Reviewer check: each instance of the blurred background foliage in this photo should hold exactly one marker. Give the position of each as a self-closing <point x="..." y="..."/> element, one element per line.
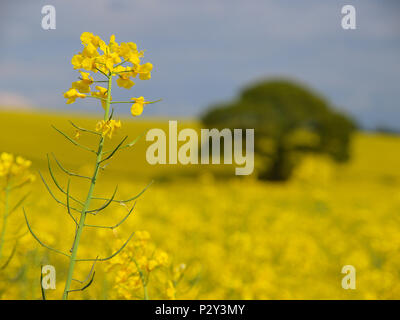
<point x="224" y="236"/>
<point x="289" y="120"/>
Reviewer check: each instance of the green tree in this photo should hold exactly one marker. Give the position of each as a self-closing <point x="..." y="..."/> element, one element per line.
<point x="289" y="120"/>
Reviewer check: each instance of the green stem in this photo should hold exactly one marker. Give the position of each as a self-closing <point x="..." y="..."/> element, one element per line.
<point x="85" y="208"/>
<point x="132" y="101"/>
<point x="108" y="97"/>
<point x="146" y="295"/>
<point x="142" y="279"/>
<point x="5" y="216"/>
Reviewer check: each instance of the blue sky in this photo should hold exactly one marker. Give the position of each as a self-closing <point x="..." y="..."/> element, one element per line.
<point x="205" y="51"/>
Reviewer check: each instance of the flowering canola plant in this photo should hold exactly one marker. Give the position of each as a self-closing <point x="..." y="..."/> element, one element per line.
<point x="134" y="266"/>
<point x="111" y="60"/>
<point x="14" y="174"/>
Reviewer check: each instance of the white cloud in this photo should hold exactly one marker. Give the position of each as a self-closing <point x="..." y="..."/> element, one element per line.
<point x="12" y="101"/>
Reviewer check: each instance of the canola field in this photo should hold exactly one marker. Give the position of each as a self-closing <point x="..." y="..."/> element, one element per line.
<point x="201" y="232"/>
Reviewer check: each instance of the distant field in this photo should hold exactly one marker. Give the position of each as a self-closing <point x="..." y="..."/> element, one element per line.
<point x="31" y="135"/>
<point x="238" y="238"/>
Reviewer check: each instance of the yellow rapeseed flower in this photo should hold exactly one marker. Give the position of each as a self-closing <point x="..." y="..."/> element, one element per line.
<point x="112" y="59"/>
<point x="130" y="53"/>
<point x="107" y="128"/>
<point x="171" y="291"/>
<point x="137" y="107"/>
<point x="72" y="94"/>
<point x="125" y="82"/>
<point x="144" y="71"/>
<point x="88" y="37"/>
<point x="83" y="85"/>
<point x="11" y="166"/>
<point x="102" y="94"/>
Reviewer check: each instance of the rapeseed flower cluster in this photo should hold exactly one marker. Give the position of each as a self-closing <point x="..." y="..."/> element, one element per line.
<point x="134" y="266"/>
<point x="15" y="167"/>
<point x="107" y="128"/>
<point x="14" y="175"/>
<point x="113" y="59"/>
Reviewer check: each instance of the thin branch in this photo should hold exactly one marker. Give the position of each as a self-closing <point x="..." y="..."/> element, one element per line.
<point x="57" y="184"/>
<point x="74" y="142"/>
<point x="85" y="286"/>
<point x="114" y="254"/>
<point x="98" y="98"/>
<point x="41" y="284"/>
<point x="73" y="243"/>
<point x="68" y="208"/>
<point x="54" y="197"/>
<point x="124" y="71"/>
<point x="83" y="129"/>
<point x="38" y="240"/>
<point x="130" y="199"/>
<point x="67" y="171"/>
<point x="116" y="225"/>
<point x="10" y="257"/>
<point x="89" y="274"/>
<point x="131" y="101"/>
<point x="106" y="204"/>
<point x="20" y="185"/>
<point x="115" y="102"/>
<point x="94" y="81"/>
<point x="121" y="63"/>
<point x="101" y="71"/>
<point x="114" y="151"/>
<point x="144" y="283"/>
<point x="111" y="114"/>
<point x="131" y="144"/>
<point x="21" y="201"/>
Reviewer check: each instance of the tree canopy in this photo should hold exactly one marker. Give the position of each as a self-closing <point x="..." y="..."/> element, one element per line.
<point x="289" y="120"/>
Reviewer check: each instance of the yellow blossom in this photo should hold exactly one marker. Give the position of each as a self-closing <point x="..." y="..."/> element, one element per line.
<point x="90" y="59"/>
<point x="107" y="60"/>
<point x="125" y="82"/>
<point x="152" y="265"/>
<point x="72" y="94"/>
<point x="83" y="85"/>
<point x="161" y="257"/>
<point x="86" y="78"/>
<point x="11" y="166"/>
<point x="144" y="71"/>
<point x="76" y="61"/>
<point x="88" y="37"/>
<point x="107" y="128"/>
<point x="124" y="74"/>
<point x="77" y="134"/>
<point x="137" y="107"/>
<point x="136" y="263"/>
<point x="130" y="53"/>
<point x="102" y="94"/>
<point x="171" y="291"/>
<point x="90" y="51"/>
<point x="113" y="45"/>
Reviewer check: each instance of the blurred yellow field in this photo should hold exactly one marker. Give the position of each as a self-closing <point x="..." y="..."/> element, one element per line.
<point x="230" y="238"/>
